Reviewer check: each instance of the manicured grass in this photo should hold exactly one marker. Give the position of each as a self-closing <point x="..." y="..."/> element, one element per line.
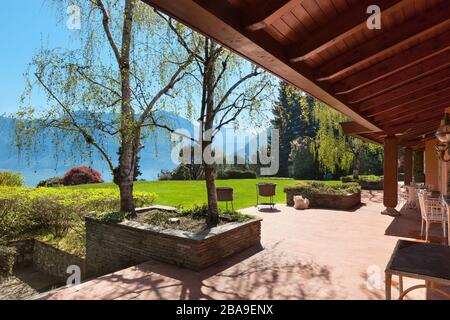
<point x="188" y="193"/>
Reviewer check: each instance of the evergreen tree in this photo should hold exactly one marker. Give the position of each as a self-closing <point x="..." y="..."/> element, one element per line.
<point x="293" y="118"/>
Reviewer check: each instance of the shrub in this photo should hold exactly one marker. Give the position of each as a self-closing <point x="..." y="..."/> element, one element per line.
<point x="11" y="179"/>
<point x="319" y="187"/>
<point x="236" y="174"/>
<point x="7" y="257"/>
<point x="363" y="178"/>
<point x="82" y="175"/>
<point x="52" y="182"/>
<point x="25" y="212"/>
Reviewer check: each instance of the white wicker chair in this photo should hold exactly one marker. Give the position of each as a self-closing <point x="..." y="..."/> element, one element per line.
<point x="432" y="211"/>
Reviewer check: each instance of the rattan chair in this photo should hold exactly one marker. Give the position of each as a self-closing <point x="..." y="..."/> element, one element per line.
<point x="225" y="194"/>
<point x="266" y="190"/>
<point x="432" y="210"/>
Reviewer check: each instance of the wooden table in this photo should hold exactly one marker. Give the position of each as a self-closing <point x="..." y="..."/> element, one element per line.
<point x="424" y="261"/>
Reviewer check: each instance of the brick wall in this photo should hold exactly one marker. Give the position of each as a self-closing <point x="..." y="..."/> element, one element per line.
<point x="111" y="247"/>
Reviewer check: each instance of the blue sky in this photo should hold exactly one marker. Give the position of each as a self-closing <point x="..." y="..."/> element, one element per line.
<point x="26" y="25"/>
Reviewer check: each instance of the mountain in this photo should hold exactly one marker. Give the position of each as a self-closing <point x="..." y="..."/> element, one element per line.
<point x="46" y="160"/>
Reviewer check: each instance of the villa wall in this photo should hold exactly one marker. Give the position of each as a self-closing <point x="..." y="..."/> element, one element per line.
<point x="431" y="164"/>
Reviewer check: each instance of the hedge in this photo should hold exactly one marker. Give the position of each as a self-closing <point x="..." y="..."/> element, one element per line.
<point x="236" y="174"/>
<point x="11" y="179"/>
<point x="25" y="212"/>
<point x="322" y="188"/>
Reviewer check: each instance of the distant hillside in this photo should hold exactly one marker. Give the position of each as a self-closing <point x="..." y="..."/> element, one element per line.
<point x="44" y="163"/>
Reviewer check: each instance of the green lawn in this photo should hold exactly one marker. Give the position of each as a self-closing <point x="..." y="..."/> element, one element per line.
<point x="189" y="193"/>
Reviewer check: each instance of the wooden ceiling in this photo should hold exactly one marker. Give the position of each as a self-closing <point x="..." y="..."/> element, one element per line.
<point x="395" y="80"/>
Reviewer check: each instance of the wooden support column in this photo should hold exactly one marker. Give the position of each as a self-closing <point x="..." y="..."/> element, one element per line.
<point x="390" y="196"/>
<point x="408" y="166"/>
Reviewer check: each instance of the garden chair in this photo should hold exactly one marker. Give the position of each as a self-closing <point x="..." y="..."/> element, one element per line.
<point x="225" y="194"/>
<point x="432" y="210"/>
<point x="411" y="197"/>
<point x="265" y="190"/>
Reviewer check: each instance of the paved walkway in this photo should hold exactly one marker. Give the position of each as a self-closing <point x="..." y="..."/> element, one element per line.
<point x="312" y="254"/>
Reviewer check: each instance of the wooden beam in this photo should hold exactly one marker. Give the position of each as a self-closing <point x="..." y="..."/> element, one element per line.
<point x="397" y="63"/>
<point x="338" y="29"/>
<point x="413" y="87"/>
<point x="351" y="127"/>
<point x="399" y="79"/>
<point x="418" y="27"/>
<point x="409" y="102"/>
<point x="262" y="16"/>
<point x="222" y="22"/>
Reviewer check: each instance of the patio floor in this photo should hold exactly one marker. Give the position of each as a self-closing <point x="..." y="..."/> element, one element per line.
<point x="312" y="254"/>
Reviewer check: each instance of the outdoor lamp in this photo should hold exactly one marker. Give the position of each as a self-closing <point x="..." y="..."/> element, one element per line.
<point x="443" y="135"/>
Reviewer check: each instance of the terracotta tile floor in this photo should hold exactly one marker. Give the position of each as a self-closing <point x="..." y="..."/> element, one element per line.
<point x="312" y="254"/>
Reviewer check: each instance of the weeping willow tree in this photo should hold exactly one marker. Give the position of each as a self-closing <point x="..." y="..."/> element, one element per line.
<point x="128" y="67"/>
<point x="335" y="150"/>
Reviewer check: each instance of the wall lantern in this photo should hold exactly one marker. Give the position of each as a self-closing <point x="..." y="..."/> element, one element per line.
<point x="443" y="135"/>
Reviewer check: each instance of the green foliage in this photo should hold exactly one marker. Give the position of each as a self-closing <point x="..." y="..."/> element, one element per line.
<point x="11" y="179"/>
<point x="337" y="151"/>
<point x="314" y="187"/>
<point x="236" y="174"/>
<point x="305" y="166"/>
<point x="52" y="182"/>
<point x="114" y="216"/>
<point x="418" y="166"/>
<point x="26" y="212"/>
<point x="365" y="178"/>
<point x="293" y="118"/>
<point x="7" y="256"/>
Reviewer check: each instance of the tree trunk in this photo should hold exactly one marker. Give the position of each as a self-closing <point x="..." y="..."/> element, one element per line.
<point x="208" y="118"/>
<point x="212" y="219"/>
<point x="127" y="125"/>
<point x="357" y="166"/>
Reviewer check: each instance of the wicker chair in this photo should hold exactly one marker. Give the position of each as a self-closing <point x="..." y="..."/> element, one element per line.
<point x="432" y="211"/>
<point x="265" y="190"/>
<point x="225" y="194"/>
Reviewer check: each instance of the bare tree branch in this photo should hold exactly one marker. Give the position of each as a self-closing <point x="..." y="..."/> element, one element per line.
<point x="106" y="25"/>
<point x="89" y="139"/>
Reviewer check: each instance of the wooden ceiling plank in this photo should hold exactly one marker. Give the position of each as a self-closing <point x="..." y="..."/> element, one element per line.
<point x="266" y="14"/>
<point x="413" y="73"/>
<point x="397" y="63"/>
<point x="420" y="26"/>
<point x="338" y="29"/>
<point x="403" y="128"/>
<point x="410" y="115"/>
<point x="408" y="93"/>
<point x="383" y="112"/>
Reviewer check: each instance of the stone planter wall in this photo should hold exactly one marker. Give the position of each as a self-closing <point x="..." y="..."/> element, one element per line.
<point x="372" y="185"/>
<point x="111" y="247"/>
<point x="326" y="201"/>
<point x="45" y="258"/>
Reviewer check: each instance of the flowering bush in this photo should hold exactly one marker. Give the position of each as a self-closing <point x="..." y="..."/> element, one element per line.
<point x="81" y="175"/>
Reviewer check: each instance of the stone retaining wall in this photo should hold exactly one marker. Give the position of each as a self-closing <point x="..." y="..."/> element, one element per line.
<point x="111" y="247"/>
<point x="45" y="258"/>
<point x="326" y="201"/>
